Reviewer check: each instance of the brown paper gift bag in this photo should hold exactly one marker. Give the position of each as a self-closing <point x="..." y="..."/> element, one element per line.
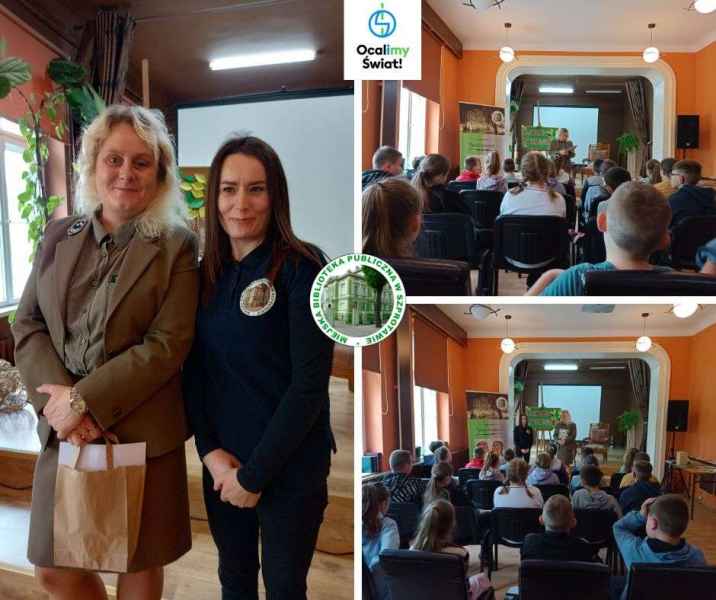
<point x="97" y="513"/>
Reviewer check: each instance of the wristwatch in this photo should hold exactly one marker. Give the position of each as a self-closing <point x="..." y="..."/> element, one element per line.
<point x="77" y="402"/>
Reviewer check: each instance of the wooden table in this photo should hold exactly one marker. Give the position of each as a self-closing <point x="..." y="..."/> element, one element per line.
<point x="696" y="471"/>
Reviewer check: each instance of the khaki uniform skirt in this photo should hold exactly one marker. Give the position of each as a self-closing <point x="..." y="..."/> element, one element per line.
<point x="165" y="531"/>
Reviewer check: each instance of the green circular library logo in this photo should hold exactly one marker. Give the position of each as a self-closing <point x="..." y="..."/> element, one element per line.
<point x="357" y="300"/>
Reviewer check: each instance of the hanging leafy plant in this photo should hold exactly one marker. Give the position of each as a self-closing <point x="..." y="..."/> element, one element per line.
<point x="628" y="420"/>
<point x="628" y="142"/>
<point x="35" y="203"/>
<point x="519" y="387"/>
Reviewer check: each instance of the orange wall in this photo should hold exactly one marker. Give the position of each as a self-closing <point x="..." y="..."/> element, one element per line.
<point x="705" y="106"/>
<point x="472" y="79"/>
<point x="23" y="45"/>
<point x="700" y="440"/>
<point x="371" y="98"/>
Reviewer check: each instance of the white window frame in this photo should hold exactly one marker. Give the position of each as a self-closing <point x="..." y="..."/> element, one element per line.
<point x="422" y="432"/>
<point x="7" y="137"/>
<point x="413" y="114"/>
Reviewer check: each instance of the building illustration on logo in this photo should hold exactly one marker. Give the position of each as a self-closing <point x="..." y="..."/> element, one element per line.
<point x="382" y="23"/>
<point x="349" y="300"/>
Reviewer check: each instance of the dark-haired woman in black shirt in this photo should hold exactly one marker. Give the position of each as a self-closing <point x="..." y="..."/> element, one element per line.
<point x="256" y="381"/>
<point x="524" y="438"/>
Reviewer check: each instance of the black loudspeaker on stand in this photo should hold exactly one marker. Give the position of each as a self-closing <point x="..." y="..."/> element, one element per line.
<point x="687" y="132"/>
<point x="677" y="420"/>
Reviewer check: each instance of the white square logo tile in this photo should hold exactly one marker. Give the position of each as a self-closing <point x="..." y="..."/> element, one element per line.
<point x="382" y="39"/>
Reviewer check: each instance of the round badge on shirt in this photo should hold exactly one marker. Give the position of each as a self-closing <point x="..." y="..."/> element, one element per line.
<point x="258" y="298"/>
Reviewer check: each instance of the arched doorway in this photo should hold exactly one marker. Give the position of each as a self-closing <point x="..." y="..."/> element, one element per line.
<point x="659" y="365"/>
<point x="660" y="74"/>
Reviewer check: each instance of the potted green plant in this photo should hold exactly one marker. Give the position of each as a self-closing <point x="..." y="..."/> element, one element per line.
<point x="627" y="145"/>
<point x="626" y="423"/>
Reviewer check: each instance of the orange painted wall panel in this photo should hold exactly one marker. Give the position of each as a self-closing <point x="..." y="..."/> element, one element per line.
<point x="22" y="44"/>
<point x="705" y="106"/>
<point x="371" y="102"/>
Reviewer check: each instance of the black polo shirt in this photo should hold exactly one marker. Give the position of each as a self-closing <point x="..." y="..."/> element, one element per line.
<point x="256" y="385"/>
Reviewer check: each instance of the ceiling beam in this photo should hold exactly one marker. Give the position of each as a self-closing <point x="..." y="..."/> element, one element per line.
<point x="434" y="23"/>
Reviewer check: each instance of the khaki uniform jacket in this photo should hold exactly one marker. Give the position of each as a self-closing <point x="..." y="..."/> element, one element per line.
<point x="136" y="392"/>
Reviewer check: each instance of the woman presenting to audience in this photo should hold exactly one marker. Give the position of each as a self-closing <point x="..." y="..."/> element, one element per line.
<point x="565" y="434"/>
<point x="524" y="438"/>
<point x="256" y="381"/>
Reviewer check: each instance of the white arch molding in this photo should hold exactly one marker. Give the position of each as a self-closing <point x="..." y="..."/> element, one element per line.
<point x="660" y="74"/>
<point x="659" y="365"/>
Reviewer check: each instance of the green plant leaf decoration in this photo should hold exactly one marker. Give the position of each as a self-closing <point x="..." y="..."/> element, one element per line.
<point x="628" y="420"/>
<point x="5" y="87"/>
<point x="628" y="142"/>
<point x="15" y="70"/>
<point x="66" y="73"/>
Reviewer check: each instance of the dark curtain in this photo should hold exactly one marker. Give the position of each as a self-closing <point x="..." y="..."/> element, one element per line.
<point x="636" y="94"/>
<point x="639" y="376"/>
<point x="520" y="374"/>
<point x="104" y="52"/>
<point x="516" y="91"/>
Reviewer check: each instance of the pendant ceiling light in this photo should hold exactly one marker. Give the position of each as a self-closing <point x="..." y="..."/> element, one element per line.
<point x="651" y="54"/>
<point x="507" y="344"/>
<point x="705" y="6"/>
<point x="507" y="53"/>
<point x="643" y="343"/>
<point x="684" y="310"/>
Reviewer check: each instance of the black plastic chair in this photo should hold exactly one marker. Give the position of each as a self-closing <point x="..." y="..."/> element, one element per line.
<point x="527" y="244"/>
<point x="406" y="516"/>
<point x="481" y="493"/>
<point x="465" y="526"/>
<point x="614" y="483"/>
<point x="509" y="528"/>
<point x="448" y="236"/>
<point x="465" y="474"/>
<point x="548" y="491"/>
<point x="433" y="277"/>
<point x="595" y="528"/>
<point x="421" y="470"/>
<point x="458" y="186"/>
<point x="415" y="575"/>
<point x="647" y="283"/>
<point x="687" y="236"/>
<point x="652" y="582"/>
<point x="369" y="592"/>
<point x="484" y="207"/>
<point x="571" y="205"/>
<point x="563" y="580"/>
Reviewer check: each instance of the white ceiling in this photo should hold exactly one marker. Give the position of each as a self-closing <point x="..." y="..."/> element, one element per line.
<point x="579" y="25"/>
<point x="568" y="320"/>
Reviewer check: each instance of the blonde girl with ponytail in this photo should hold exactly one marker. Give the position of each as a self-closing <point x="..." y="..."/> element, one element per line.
<point x="534" y="196"/>
<point x="391" y="218"/>
<point x="430" y="180"/>
<point x="491" y="179"/>
<point x="435" y="534"/>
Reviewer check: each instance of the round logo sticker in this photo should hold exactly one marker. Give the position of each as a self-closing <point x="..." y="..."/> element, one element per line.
<point x="258" y="298"/>
<point x="357" y="299"/>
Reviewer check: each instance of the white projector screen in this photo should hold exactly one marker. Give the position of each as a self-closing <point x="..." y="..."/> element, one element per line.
<point x="313" y="137"/>
<point x="582" y="401"/>
<point x="582" y="123"/>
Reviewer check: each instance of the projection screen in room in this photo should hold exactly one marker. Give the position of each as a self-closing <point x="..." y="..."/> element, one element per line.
<point x="582" y="401"/>
<point x="313" y="136"/>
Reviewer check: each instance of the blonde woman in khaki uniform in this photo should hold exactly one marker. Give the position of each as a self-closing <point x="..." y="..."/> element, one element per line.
<point x="103" y="326"/>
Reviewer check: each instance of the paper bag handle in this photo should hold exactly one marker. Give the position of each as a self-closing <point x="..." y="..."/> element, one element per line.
<point x="109" y="440"/>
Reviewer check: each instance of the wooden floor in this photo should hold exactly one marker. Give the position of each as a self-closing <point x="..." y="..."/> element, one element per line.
<point x="509" y="284"/>
<point x="193" y="577"/>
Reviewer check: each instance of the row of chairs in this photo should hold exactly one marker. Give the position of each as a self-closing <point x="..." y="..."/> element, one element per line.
<point x="413" y="575"/>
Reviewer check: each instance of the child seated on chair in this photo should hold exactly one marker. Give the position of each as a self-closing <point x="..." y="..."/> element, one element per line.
<point x="435" y="534"/>
<point x="591" y="497"/>
<point x="379" y="533"/>
<point x="491" y="469"/>
<point x="631" y="478"/>
<point x="509" y="455"/>
<point x="635" y="224"/>
<point x="478" y="459"/>
<point x="633" y="496"/>
<point x="541" y="474"/>
<point x="556" y="543"/>
<point x="665" y="519"/>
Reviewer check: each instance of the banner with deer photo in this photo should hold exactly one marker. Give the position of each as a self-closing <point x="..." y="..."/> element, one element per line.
<point x="488" y="420"/>
<point x="482" y="129"/>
